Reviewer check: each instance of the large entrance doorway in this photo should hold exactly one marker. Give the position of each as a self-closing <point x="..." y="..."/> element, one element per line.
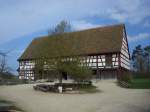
<point x="106" y="74"/>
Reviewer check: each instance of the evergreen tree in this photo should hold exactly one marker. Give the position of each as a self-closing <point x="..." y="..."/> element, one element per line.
<point x="140" y="59"/>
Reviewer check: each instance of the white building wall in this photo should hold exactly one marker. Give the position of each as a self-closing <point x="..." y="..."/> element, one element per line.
<point x="124" y="57"/>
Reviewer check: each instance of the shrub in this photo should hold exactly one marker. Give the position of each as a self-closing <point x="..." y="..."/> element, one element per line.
<point x="81" y="74"/>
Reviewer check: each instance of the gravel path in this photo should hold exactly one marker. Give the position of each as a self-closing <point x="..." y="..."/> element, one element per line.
<point x="111" y="99"/>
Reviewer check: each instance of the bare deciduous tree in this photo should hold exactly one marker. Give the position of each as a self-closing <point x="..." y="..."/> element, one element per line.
<point x="3" y="62"/>
<point x="60" y="28"/>
<point x="59" y="64"/>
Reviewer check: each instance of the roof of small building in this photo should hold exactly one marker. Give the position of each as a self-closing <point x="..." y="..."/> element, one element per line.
<point x="107" y="39"/>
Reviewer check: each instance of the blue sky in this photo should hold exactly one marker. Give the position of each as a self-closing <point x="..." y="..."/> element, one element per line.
<point x="23" y="20"/>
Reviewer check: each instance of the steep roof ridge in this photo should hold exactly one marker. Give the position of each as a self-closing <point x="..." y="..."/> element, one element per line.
<point x="84" y="30"/>
<point x="111" y="34"/>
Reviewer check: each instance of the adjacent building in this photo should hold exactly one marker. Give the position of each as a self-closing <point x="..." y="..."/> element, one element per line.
<point x="105" y="50"/>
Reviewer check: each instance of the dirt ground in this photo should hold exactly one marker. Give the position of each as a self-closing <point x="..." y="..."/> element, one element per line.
<point x="111" y="98"/>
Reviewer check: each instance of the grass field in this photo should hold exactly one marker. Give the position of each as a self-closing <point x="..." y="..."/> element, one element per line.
<point x="88" y="89"/>
<point x="140" y="83"/>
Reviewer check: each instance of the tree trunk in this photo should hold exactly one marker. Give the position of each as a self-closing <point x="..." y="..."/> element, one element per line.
<point x="60" y="78"/>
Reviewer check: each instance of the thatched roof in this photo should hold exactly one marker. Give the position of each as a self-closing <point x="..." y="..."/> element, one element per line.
<point x="106" y="39"/>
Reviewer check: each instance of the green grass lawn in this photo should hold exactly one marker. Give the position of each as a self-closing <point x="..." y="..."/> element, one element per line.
<point x="88" y="89"/>
<point x="140" y="83"/>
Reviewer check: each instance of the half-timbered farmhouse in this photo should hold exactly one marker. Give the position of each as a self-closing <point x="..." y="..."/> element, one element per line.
<point x="105" y="50"/>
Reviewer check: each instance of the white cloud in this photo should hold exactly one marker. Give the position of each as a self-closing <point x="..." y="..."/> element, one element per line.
<point x="18" y="18"/>
<point x="131" y="11"/>
<point x="81" y="25"/>
<point x="139" y="37"/>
